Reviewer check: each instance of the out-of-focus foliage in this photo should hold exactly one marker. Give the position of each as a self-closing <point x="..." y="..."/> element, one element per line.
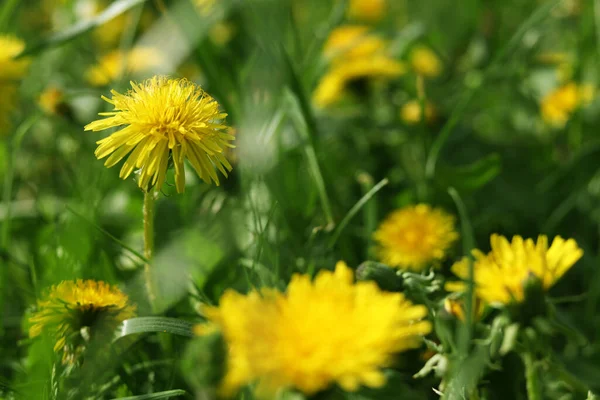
<point x="484" y="109"/>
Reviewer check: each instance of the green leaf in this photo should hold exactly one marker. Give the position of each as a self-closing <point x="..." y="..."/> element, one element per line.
<point x="471" y="176"/>
<point x="114" y="10"/>
<point x="155" y="324"/>
<point x="160" y="395"/>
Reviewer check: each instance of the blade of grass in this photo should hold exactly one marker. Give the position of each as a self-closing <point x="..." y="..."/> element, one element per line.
<point x="11" y="154"/>
<point x="80" y="28"/>
<point x="468" y="243"/>
<point x="174" y="326"/>
<point x="355" y="209"/>
<point x="461" y="107"/>
<point x="299" y="121"/>
<point x="104" y="231"/>
<point x="6" y="11"/>
<point x="154" y="396"/>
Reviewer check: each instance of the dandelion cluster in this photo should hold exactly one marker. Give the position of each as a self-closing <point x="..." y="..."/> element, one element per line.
<point x="315" y="334"/>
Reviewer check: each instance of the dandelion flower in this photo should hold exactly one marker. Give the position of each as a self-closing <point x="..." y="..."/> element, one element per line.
<point x="72" y="305"/>
<point x="164" y="119"/>
<point x="500" y="275"/>
<point x="558" y="105"/>
<point x="367" y="10"/>
<point x="352" y="41"/>
<point x="411" y="112"/>
<point x="413" y="236"/>
<point x="332" y="86"/>
<point x="12" y="69"/>
<point x="425" y="62"/>
<point x="354" y="54"/>
<point x="114" y="64"/>
<point x="322" y="332"/>
<point x="52" y="101"/>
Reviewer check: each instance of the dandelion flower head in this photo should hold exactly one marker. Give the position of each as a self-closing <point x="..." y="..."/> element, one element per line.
<point x="322" y="332"/>
<point x="425" y="62"/>
<point x="352" y="41"/>
<point x="10" y="68"/>
<point x="558" y="105"/>
<point x="500" y="275"/>
<point x="414" y="236"/>
<point x="164" y="119"/>
<point x="411" y="112"/>
<point x="72" y="305"/>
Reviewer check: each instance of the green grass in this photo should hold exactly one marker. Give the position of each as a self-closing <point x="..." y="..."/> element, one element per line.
<point x="309" y="187"/>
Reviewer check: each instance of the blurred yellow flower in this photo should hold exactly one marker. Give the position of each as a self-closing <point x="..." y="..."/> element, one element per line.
<point x="425" y="62"/>
<point x="457" y="307"/>
<point x="112" y="65"/>
<point x="72" y="305"/>
<point x="316" y="334"/>
<point x="367" y="10"/>
<point x="415" y="236"/>
<point x="354" y="53"/>
<point x="51" y="101"/>
<point x="410" y="112"/>
<point x="166" y="119"/>
<point x="10" y="68"/>
<point x="500" y="275"/>
<point x="352" y="41"/>
<point x="558" y="105"/>
<point x="222" y="33"/>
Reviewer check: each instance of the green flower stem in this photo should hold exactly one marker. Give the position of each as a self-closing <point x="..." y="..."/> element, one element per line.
<point x="149" y="200"/>
<point x="534" y="390"/>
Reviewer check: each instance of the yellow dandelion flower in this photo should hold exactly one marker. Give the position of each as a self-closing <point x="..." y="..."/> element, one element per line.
<point x="322" y="332"/>
<point x="558" y="105"/>
<point x="500" y="275"/>
<point x="72" y="305"/>
<point x="367" y="10"/>
<point x="411" y="112"/>
<point x="10" y="68"/>
<point x="425" y="62"/>
<point x="51" y="101"/>
<point x="331" y="87"/>
<point x="352" y="41"/>
<point x="165" y="119"/>
<point x="114" y="64"/>
<point x="413" y="236"/>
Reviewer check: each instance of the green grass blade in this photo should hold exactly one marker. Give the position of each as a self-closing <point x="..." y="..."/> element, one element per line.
<point x="153" y="396"/>
<point x="174" y="326"/>
<point x="468" y="243"/>
<point x="114" y="10"/>
<point x="458" y="112"/>
<point x="355" y="209"/>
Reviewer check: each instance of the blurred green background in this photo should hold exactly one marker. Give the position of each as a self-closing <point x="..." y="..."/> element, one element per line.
<point x="299" y="169"/>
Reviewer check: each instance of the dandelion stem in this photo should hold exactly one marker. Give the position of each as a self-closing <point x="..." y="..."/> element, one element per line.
<point x="534" y="391"/>
<point x="149" y="199"/>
